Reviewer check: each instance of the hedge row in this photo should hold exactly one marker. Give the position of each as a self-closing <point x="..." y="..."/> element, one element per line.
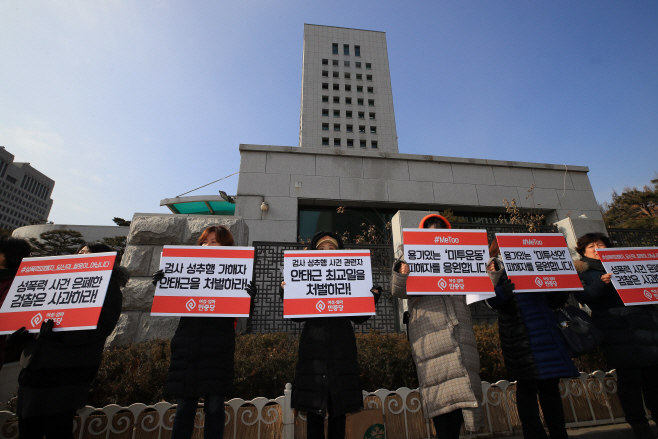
<point x="264" y="363"/>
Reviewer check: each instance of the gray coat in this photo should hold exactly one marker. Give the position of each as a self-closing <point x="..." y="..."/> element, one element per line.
<point x="444" y="350"/>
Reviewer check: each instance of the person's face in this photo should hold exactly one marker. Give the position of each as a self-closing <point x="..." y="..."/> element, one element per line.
<point x="590" y="250"/>
<point x="84" y="251"/>
<point x="327" y="246"/>
<point x="211" y="240"/>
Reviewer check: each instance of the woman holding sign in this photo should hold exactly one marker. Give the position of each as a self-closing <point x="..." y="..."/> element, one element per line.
<point x="444" y="350"/>
<point x="327" y="373"/>
<point x="202" y="358"/>
<point x="631" y="335"/>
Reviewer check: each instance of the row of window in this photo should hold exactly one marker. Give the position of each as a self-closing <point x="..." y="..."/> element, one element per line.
<point x="22" y="198"/>
<point x="348" y="114"/>
<point x="347" y="75"/>
<point x="334" y="62"/>
<point x="349" y="142"/>
<point x="348" y="87"/>
<point x="346" y="49"/>
<point x="349" y="128"/>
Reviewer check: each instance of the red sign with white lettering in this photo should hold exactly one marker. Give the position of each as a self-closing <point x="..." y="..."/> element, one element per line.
<point x="634" y="273"/>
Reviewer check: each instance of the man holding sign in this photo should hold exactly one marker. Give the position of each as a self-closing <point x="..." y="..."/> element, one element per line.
<point x="328" y="289"/>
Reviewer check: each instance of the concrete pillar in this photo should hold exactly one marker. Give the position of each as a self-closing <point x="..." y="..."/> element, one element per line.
<point x="574" y="228"/>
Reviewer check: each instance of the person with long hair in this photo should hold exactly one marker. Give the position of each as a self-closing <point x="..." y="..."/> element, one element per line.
<point x="202" y="359"/>
<point x="630" y="342"/>
<point x="58" y="367"/>
<point x="535" y="354"/>
<point x="327" y="373"/>
<point x="445" y="352"/>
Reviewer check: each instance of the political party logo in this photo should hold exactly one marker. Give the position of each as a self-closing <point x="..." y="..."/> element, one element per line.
<point x="647" y="294"/>
<point x="375" y="431"/>
<point x="36" y="320"/>
<point x="320" y="305"/>
<point x="538" y="282"/>
<point x="442" y="284"/>
<point x="190" y="305"/>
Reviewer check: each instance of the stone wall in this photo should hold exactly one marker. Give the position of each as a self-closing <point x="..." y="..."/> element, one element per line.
<point x="149" y="232"/>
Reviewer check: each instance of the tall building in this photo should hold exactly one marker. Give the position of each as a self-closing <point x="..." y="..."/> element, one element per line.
<point x="347" y="101"/>
<point x="24" y="193"/>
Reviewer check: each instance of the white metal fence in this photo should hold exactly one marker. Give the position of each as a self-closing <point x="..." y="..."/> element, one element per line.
<point x="588" y="400"/>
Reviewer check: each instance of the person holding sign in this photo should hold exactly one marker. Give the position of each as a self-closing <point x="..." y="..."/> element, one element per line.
<point x="445" y="352"/>
<point x="535" y="354"/>
<point x="202" y="359"/>
<point x="327" y="373"/>
<point x="631" y="335"/>
<point x="58" y="367"/>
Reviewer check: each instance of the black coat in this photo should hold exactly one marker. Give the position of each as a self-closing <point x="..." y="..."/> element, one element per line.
<point x="631" y="332"/>
<point x="202" y="358"/>
<point x="328" y="366"/>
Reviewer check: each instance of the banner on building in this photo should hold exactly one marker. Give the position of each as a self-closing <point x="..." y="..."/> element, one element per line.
<point x="447" y="262"/>
<point x="538" y="262"/>
<point x="204" y="281"/>
<point x="634" y="273"/>
<point x="327" y="283"/>
<point x="70" y="290"/>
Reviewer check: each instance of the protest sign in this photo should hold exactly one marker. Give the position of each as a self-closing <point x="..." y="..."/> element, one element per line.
<point x="327" y="283"/>
<point x="70" y="290"/>
<point x="538" y="262"/>
<point x="634" y="273"/>
<point x="204" y="281"/>
<point x="447" y="262"/>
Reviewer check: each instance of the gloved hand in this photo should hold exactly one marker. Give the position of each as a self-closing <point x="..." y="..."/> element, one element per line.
<point x="46" y="330"/>
<point x="506" y="288"/>
<point x="19" y="337"/>
<point x="376" y="292"/>
<point x="251" y="289"/>
<point x="157" y="277"/>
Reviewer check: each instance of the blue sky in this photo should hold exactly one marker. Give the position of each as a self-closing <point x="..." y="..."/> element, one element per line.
<point x="124" y="103"/>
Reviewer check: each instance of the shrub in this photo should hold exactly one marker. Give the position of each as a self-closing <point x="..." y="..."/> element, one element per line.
<point x="492" y="365"/>
<point x="385" y="361"/>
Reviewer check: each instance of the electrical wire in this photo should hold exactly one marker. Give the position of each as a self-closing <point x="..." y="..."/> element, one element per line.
<point x="208" y="184"/>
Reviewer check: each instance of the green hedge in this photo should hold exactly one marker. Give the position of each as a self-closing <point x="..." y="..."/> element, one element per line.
<point x="264" y="363"/>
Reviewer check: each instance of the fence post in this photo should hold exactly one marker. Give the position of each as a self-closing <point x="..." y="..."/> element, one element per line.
<point x="288" y="414"/>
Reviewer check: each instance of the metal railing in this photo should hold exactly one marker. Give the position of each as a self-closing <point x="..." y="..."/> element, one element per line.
<point x="633" y="237"/>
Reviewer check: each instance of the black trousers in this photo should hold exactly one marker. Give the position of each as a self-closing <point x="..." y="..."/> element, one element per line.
<point x="315" y="424"/>
<point x="548" y="391"/>
<point x="448" y="425"/>
<point x="55" y="426"/>
<point x="634" y="383"/>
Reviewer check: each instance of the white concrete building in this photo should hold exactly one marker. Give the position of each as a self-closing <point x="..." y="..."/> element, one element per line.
<point x="347" y="100"/>
<point x="24" y="193"/>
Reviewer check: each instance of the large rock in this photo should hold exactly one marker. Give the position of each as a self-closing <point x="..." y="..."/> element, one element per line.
<point x="137" y="259"/>
<point x="125" y="329"/>
<point x="155" y="327"/>
<point x="152" y="228"/>
<point x="195" y="225"/>
<point x="138" y="294"/>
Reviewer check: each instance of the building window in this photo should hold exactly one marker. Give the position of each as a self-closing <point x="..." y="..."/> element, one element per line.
<point x="350" y="143"/>
<point x="336" y="142"/>
<point x="336" y="127"/>
<point x="371" y="102"/>
<point x="359" y="76"/>
<point x="325" y="62"/>
<point x="368" y="77"/>
<point x="335" y="74"/>
<point x="371" y="89"/>
<point x="359" y="88"/>
<point x="372" y="115"/>
<point x="325" y="98"/>
<point x="325" y="73"/>
<point x="362" y="143"/>
<point x="373" y="130"/>
<point x="325" y="86"/>
<point x="348" y="87"/>
<point x="359" y="101"/>
<point x="334" y="48"/>
<point x="368" y="66"/>
<point x="336" y="113"/>
<point x="357" y="50"/>
<point x="336" y="100"/>
<point x="362" y="128"/>
<point x="336" y="87"/>
<point x="334" y="62"/>
<point x="358" y="64"/>
<point x="11" y="179"/>
<point x="348" y="101"/>
<point x="325" y="127"/>
<point x="373" y="143"/>
<point x="362" y="115"/>
<point x="348" y="114"/>
<point x="325" y="112"/>
<point x="346" y="63"/>
<point x="346" y="49"/>
<point x="347" y="75"/>
<point x="350" y="129"/>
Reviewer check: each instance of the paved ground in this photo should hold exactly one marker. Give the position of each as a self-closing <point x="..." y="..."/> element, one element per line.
<point x="612" y="431"/>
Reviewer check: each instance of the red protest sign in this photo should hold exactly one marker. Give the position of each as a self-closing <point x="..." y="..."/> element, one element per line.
<point x="634" y="273"/>
<point x="69" y="289"/>
<point x="538" y="262"/>
<point x="204" y="281"/>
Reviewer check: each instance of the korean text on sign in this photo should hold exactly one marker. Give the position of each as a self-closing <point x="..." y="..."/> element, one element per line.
<point x="204" y="281"/>
<point x="70" y="290"/>
<point x="538" y="262"/>
<point x="322" y="283"/>
<point x="447" y="262"/>
<point x="634" y="273"/>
